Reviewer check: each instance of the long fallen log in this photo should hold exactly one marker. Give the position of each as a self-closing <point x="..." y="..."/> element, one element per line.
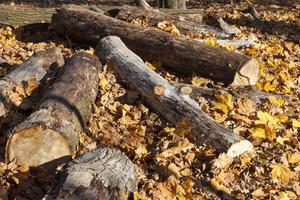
<point x="52" y="131"/>
<point x="177" y="53"/>
<point x="13" y="86"/>
<point x="184" y="24"/>
<point x="166" y="100"/>
<point x="237" y="92"/>
<point x="105" y="174"/>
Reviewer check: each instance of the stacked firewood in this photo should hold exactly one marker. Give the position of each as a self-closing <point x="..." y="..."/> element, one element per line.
<point x="50" y="135"/>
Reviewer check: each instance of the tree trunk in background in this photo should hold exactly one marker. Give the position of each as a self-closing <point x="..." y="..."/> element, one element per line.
<point x="175" y="4"/>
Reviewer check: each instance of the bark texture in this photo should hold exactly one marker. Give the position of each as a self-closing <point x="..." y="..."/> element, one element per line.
<point x="20" y="16"/>
<point x="166" y="100"/>
<point x="250" y="92"/>
<point x="184" y="24"/>
<point x="177" y="53"/>
<point x="105" y="174"/>
<point x="31" y="72"/>
<point x="52" y="131"/>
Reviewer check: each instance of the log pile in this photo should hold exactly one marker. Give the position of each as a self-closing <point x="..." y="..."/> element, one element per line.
<point x="49" y="136"/>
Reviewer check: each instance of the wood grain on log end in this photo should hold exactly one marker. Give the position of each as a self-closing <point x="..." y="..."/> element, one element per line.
<point x="247" y="74"/>
<point x="239" y="148"/>
<point x="25" y="146"/>
<point x="51" y="133"/>
<point x="103" y="174"/>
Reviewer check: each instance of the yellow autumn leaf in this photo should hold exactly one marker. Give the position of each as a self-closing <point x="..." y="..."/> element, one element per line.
<point x="293" y="157"/>
<point x="90" y="51"/>
<point x="268" y="87"/>
<point x="265" y="118"/>
<point x="211" y="42"/>
<point x="219" y="106"/>
<point x="153" y="65"/>
<point x="199" y="81"/>
<point x="181" y="198"/>
<point x="271" y="63"/>
<point x="281" y="140"/>
<point x="258" y="133"/>
<point x="296" y="123"/>
<point x="281" y="172"/>
<point x="276" y="101"/>
<point x="141" y="150"/>
<point x="103" y="83"/>
<point x="288" y="195"/>
<point x="224" y="102"/>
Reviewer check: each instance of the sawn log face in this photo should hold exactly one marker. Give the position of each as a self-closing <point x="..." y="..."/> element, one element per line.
<point x="52" y="131"/>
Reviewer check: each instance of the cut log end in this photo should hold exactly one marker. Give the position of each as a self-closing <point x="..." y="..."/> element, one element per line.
<point x="247" y="74"/>
<point x="239" y="148"/>
<point x="25" y="146"/>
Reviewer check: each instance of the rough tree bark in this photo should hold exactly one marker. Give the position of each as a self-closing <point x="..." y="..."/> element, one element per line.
<point x="177" y="53"/>
<point x="105" y="174"/>
<point x="29" y="74"/>
<point x="166" y="100"/>
<point x="250" y="92"/>
<point x="52" y="131"/>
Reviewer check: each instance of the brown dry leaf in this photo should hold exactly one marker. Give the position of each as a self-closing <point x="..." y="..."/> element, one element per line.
<point x="183" y="127"/>
<point x="281" y="172"/>
<point x="30" y="85"/>
<point x="223" y="161"/>
<point x="246" y="106"/>
<point x="141" y="150"/>
<point x="288" y="195"/>
<point x="168" y="26"/>
<point x="218" y="183"/>
<point x="174" y="170"/>
<point x="159" y="90"/>
<point x="182" y="145"/>
<point x="258" y="192"/>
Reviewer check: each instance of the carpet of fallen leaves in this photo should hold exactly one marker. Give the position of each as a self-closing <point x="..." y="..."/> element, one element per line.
<point x="169" y="165"/>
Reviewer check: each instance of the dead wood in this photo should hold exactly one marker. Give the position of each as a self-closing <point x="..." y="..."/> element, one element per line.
<point x="19" y="84"/>
<point x="166" y="100"/>
<point x="250" y="92"/>
<point x="105" y="174"/>
<point x="52" y="131"/>
<point x="177" y="53"/>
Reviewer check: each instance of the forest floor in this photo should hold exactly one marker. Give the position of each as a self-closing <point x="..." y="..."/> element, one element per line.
<point x="169" y="165"/>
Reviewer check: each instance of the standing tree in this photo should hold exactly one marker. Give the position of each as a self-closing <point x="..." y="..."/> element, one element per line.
<point x="175" y="4"/>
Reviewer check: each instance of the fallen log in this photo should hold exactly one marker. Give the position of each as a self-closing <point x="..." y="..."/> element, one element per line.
<point x="100" y="174"/>
<point x="166" y="100"/>
<point x="52" y="131"/>
<point x="185" y="24"/>
<point x="29" y="74"/>
<point x="177" y="53"/>
<point x="250" y="92"/>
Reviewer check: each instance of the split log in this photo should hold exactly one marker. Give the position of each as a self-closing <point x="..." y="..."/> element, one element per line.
<point x="166" y="100"/>
<point x="250" y="92"/>
<point x="105" y="174"/>
<point x="29" y="74"/>
<point x="52" y="131"/>
<point x="177" y="53"/>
